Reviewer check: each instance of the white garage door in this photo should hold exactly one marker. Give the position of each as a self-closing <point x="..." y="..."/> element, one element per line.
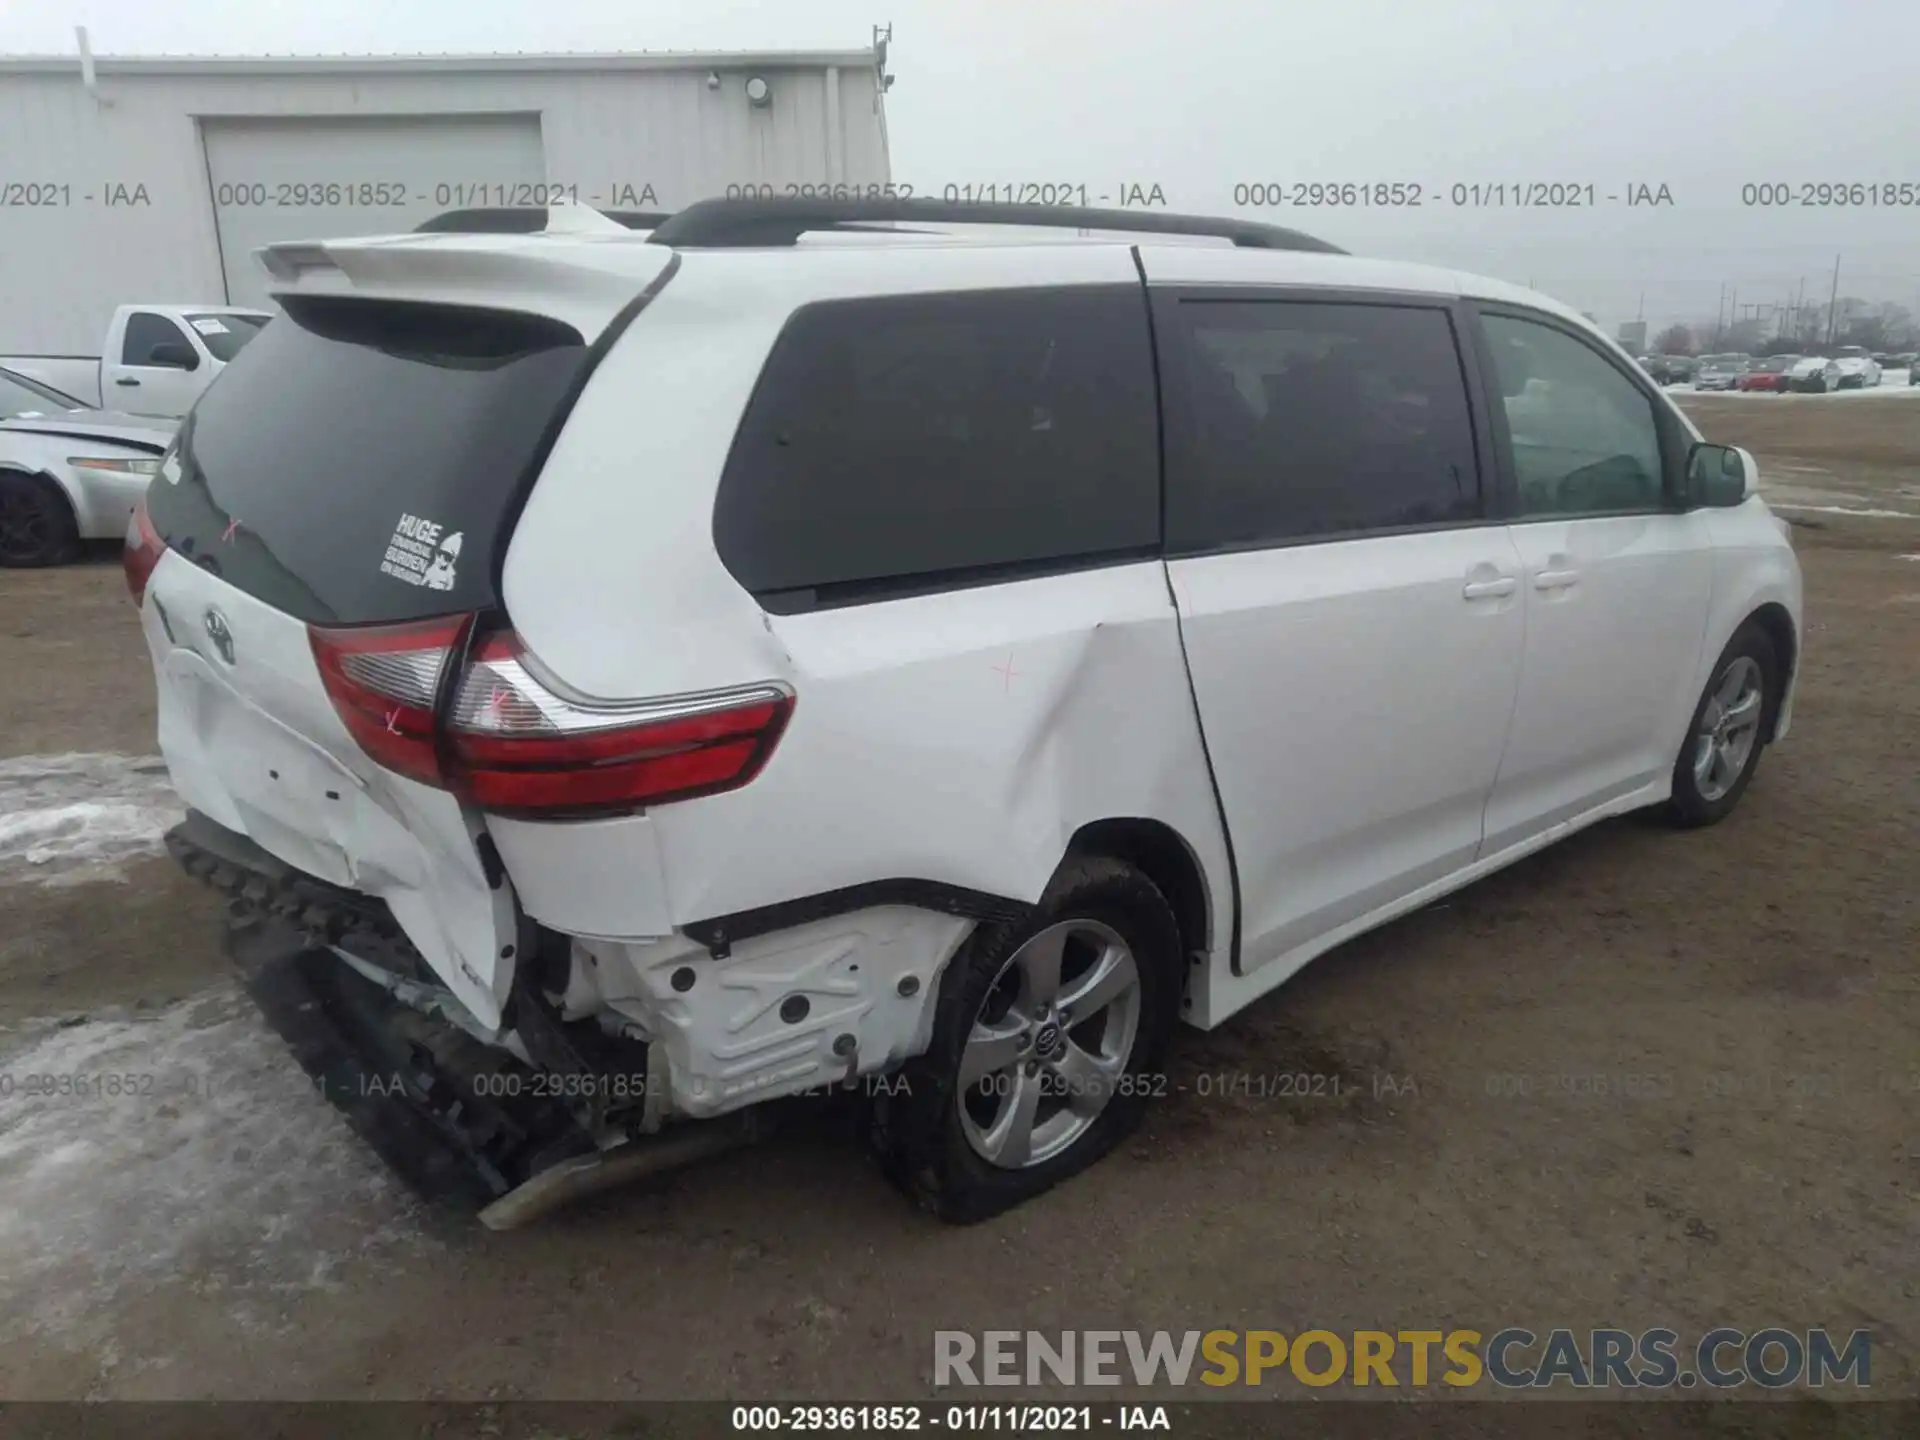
<point x="312" y="178"/>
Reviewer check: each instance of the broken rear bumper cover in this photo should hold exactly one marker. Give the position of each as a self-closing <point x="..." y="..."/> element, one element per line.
<point x="834" y="992"/>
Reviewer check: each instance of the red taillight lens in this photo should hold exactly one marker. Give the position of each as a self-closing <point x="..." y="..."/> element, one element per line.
<point x="522" y="747"/>
<point x="141" y="553"/>
<point x="382" y="680"/>
<point x="517" y="745"/>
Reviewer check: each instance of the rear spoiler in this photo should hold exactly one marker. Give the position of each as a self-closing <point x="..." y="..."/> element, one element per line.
<point x="583" y="285"/>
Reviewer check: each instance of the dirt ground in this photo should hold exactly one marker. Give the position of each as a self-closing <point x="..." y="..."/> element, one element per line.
<point x="1645" y="1078"/>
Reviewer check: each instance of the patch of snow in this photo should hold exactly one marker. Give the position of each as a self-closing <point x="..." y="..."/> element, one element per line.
<point x="1843" y="510"/>
<point x="1893" y="384"/>
<point x="1882" y="391"/>
<point x="183" y="1149"/>
<point x="65" y="819"/>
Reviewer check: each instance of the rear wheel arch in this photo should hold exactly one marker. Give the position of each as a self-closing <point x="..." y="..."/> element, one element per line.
<point x="48" y="480"/>
<point x="1162" y="854"/>
<point x="928" y="1132"/>
<point x="10" y="471"/>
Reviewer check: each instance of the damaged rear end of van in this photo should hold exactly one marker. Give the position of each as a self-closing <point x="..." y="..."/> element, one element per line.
<point x="349" y="715"/>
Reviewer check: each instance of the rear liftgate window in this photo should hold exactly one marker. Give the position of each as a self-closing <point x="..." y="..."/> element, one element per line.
<point x="359" y="460"/>
<point x="914" y="443"/>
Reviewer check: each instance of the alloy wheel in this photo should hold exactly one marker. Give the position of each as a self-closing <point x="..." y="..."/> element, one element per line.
<point x="1729" y="728"/>
<point x="1050" y="1044"/>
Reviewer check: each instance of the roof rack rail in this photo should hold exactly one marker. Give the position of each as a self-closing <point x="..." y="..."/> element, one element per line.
<point x="523" y="220"/>
<point x="730" y="223"/>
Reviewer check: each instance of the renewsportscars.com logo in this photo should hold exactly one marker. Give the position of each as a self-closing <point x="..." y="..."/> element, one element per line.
<point x="1512" y="1359"/>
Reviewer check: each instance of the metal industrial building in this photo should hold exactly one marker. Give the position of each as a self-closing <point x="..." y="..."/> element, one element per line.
<point x="153" y="179"/>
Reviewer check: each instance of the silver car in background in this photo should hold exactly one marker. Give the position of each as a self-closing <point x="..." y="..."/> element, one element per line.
<point x="68" y="472"/>
<point x="1721" y="372"/>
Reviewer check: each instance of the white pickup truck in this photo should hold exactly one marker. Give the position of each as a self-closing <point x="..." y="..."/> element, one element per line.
<point x="156" y="361"/>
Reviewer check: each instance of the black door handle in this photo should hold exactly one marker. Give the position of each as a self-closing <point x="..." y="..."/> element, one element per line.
<point x="126" y="380"/>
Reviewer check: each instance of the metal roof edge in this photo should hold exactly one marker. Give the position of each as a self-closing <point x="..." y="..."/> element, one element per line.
<point x="453" y="63"/>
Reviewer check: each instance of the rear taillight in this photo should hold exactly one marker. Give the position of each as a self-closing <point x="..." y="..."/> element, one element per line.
<point x="383" y="680"/>
<point x="141" y="553"/>
<point x="521" y="746"/>
<point x="517" y="744"/>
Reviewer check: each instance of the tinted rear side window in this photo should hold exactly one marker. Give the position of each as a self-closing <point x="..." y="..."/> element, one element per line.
<point x="899" y="444"/>
<point x="358" y="460"/>
<point x="1295" y="421"/>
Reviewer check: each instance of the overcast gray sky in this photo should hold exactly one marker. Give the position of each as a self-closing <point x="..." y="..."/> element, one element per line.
<point x="1702" y="96"/>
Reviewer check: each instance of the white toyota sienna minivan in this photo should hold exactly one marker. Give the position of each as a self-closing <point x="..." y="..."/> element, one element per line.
<point x="632" y="671"/>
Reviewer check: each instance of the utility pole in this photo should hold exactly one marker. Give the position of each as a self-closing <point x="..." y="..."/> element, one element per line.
<point x="1833" y="299"/>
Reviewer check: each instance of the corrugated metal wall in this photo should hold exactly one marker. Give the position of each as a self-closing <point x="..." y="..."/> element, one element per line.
<point x="109" y="201"/>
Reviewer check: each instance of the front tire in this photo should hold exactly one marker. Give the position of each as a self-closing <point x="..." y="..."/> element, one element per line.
<point x="1735" y="714"/>
<point x="37" y="527"/>
<point x="1047" y="1042"/>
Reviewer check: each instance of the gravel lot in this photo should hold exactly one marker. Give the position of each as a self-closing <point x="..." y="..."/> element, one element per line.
<point x="1645" y="1078"/>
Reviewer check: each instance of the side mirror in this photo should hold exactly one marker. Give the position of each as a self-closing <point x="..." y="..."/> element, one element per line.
<point x="1721" y="476"/>
<point x="173" y="356"/>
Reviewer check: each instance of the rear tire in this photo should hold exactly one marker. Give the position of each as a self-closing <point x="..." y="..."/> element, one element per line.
<point x="37" y="526"/>
<point x="1077" y="1063"/>
<point x="1728" y="731"/>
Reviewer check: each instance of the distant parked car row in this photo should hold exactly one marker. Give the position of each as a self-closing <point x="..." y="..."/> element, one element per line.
<point x="1851" y="367"/>
<point x="1775" y="373"/>
<point x="81" y="435"/>
<point x="1668" y="369"/>
<point x="68" y="472"/>
<point x="156" y="359"/>
<point x="1721" y="372"/>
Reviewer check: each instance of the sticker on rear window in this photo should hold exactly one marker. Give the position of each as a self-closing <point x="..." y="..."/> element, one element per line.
<point x="210" y="327"/>
<point x="420" y="555"/>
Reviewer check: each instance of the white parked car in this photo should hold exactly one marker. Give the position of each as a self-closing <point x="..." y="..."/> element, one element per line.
<point x="1814" y="374"/>
<point x="1858" y="369"/>
<point x="68" y="472"/>
<point x="781" y="653"/>
<point x="156" y="361"/>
